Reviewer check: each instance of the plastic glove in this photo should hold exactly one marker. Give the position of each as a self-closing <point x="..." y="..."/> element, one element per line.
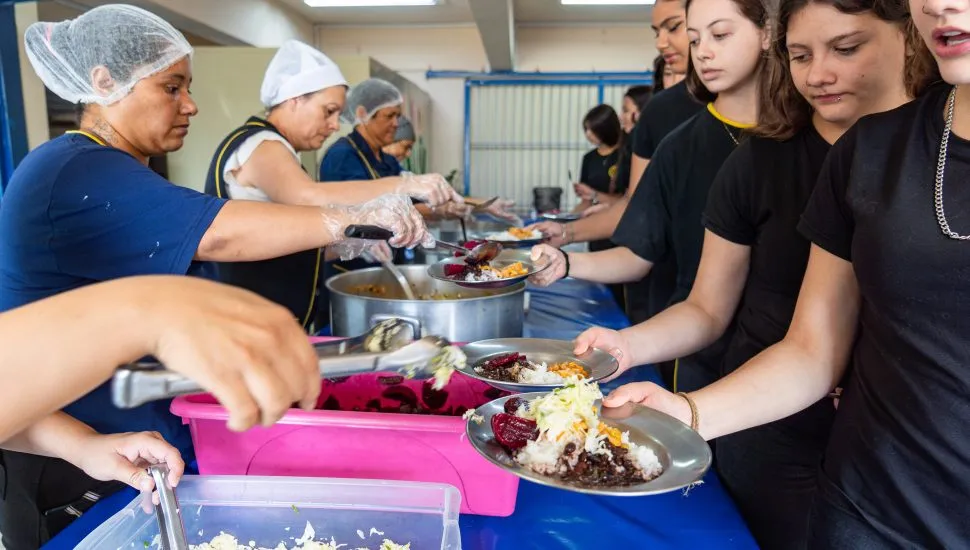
<point x="501" y="209"/>
<point x="393" y="212"/>
<point x="378" y="252"/>
<point x="433" y="189"/>
<point x="452" y="210"/>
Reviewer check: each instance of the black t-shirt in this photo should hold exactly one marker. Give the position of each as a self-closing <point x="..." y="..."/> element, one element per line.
<point x="663" y="220"/>
<point x="622" y="179"/>
<point x="598" y="171"/>
<point x="900" y="449"/>
<point x="756" y="201"/>
<point x="663" y="113"/>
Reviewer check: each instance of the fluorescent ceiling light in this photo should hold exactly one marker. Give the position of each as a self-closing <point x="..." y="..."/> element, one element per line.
<point x="367" y="3"/>
<point x="606" y="2"/>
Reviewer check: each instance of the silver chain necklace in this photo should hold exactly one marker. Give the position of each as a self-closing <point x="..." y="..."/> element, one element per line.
<point x="941" y="167"/>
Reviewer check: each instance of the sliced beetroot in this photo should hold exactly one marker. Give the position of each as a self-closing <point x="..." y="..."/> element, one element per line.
<point x="513" y="432"/>
<point x="456" y="270"/>
<point x="512" y="405"/>
<point x="503" y="361"/>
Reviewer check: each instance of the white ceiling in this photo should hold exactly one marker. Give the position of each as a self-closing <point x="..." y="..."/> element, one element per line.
<point x="451" y="12"/>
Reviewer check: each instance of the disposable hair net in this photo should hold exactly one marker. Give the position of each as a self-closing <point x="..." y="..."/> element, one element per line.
<point x="298" y="69"/>
<point x="373" y="95"/>
<point x="405" y="130"/>
<point x="129" y="42"/>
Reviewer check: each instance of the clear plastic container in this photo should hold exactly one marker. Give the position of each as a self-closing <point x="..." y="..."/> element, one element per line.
<point x="270" y="510"/>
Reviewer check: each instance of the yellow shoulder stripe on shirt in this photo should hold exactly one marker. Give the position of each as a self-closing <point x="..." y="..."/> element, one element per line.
<point x="726" y="120"/>
<point x="88" y="135"/>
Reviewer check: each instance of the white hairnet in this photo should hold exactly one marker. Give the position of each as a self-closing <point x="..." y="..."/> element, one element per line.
<point x="295" y="70"/>
<point x="373" y="95"/>
<point x="129" y="42"/>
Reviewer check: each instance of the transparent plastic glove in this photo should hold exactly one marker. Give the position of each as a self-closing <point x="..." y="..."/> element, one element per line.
<point x="452" y="210"/>
<point x="377" y="252"/>
<point x="502" y="209"/>
<point x="430" y="188"/>
<point x="393" y="212"/>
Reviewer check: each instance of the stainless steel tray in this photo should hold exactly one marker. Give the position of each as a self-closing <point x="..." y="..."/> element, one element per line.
<point x="437" y="271"/>
<point x="598" y="363"/>
<point x="684" y="454"/>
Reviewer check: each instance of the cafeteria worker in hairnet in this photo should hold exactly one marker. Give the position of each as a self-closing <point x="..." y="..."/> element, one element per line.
<point x="304" y="93"/>
<point x="375" y="106"/>
<point x="85" y="207"/>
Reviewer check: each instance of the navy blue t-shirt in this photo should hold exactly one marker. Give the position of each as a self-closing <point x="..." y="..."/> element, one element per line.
<point x="342" y="163"/>
<point x="77" y="213"/>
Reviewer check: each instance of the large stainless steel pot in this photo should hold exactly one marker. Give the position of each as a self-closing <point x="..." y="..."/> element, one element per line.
<point x="459" y="314"/>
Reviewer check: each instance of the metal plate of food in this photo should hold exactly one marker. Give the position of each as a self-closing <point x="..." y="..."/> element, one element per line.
<point x="513" y="237"/>
<point x="499" y="273"/>
<point x="561" y="216"/>
<point x="533" y="364"/>
<point x="661" y="453"/>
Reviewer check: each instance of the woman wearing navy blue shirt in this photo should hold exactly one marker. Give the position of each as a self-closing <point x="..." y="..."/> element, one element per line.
<point x="85" y="207"/>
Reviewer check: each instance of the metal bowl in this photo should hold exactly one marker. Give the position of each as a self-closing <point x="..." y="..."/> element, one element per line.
<point x="683" y="453"/>
<point x="598" y="363"/>
<point x="437" y="271"/>
<point x="562" y="217"/>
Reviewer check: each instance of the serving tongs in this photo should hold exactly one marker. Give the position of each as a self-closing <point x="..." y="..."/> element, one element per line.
<point x="171" y="530"/>
<point x="389" y="346"/>
<point x="481" y="254"/>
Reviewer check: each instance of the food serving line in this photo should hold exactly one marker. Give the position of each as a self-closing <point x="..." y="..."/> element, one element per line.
<point x="537" y="516"/>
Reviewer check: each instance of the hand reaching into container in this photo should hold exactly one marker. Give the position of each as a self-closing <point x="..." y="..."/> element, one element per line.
<point x="250" y="353"/>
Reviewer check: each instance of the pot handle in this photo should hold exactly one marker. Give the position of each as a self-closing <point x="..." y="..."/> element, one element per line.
<point x="414" y="322"/>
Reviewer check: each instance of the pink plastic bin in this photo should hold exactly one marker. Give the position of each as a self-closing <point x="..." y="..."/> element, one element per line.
<point x="361" y="445"/>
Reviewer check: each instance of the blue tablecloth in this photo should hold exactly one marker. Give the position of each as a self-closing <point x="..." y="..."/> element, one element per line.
<point x="551" y="519"/>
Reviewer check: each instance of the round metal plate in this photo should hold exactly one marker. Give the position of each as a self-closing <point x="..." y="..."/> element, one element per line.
<point x="684" y="454"/>
<point x="521" y="243"/>
<point x="598" y="363"/>
<point x="562" y="217"/>
<point x="437" y="271"/>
